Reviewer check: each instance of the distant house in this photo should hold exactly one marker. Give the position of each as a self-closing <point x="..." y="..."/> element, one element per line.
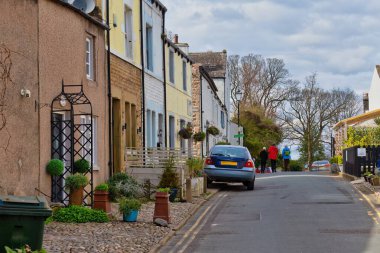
<point x="47" y="47"/>
<point x="178" y="93"/>
<point x="371" y="108"/>
<point x="374" y="90"/>
<point x="207" y="109"/>
<point x="215" y="64"/>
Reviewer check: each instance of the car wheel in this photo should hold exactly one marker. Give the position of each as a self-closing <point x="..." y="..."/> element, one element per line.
<point x="250" y="185"/>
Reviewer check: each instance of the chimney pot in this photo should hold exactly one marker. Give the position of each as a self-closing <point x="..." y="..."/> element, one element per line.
<point x="175" y="38"/>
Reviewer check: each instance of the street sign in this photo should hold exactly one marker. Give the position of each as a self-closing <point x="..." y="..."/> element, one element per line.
<point x="238" y="135"/>
<point x="362" y="152"/>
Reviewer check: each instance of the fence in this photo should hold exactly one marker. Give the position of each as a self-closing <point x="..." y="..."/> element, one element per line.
<point x="149" y="164"/>
<point x="356" y="165"/>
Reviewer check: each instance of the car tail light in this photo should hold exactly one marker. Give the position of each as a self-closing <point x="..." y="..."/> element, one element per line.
<point x="209" y="161"/>
<point x="249" y="164"/>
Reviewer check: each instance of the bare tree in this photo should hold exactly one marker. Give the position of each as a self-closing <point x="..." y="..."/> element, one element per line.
<point x="265" y="83"/>
<point x="311" y="110"/>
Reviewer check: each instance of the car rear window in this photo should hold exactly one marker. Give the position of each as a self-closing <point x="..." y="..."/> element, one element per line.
<point x="230" y="152"/>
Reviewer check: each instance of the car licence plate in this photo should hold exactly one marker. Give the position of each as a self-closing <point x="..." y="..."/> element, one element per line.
<point x="228" y="163"/>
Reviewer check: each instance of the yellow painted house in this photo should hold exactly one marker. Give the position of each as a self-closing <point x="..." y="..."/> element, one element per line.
<point x="126" y="84"/>
<point x="178" y="92"/>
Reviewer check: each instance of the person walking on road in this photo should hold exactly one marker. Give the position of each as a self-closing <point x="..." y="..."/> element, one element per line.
<point x="273" y="153"/>
<point x="286" y="157"/>
<point x="263" y="158"/>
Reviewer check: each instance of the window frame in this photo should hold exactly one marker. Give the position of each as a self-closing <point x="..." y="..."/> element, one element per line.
<point x="89" y="58"/>
<point x="184" y="75"/>
<point x="171" y="66"/>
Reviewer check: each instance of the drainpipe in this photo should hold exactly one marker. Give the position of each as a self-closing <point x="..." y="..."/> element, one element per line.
<point x="110" y="121"/>
<point x="164" y="70"/>
<point x="201" y="102"/>
<point x="142" y="75"/>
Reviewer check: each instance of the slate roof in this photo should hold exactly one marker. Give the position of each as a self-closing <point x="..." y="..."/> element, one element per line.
<point x="215" y="63"/>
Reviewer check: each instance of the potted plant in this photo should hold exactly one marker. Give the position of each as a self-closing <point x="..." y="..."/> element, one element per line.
<point x="213" y="130"/>
<point x="186" y="132"/>
<point x="81" y="166"/>
<point x="55" y="167"/>
<point x="200" y="136"/>
<point x="375" y="180"/>
<point x="170" y="179"/>
<point x="161" y="207"/>
<point x="75" y="184"/>
<point x="129" y="208"/>
<point x="101" y="198"/>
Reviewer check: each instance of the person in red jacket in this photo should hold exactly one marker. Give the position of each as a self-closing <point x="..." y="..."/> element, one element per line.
<point x="272" y="154"/>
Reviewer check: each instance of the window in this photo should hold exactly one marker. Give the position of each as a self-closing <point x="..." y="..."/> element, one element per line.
<point x="90" y="58"/>
<point x="87" y="136"/>
<point x="184" y="76"/>
<point x="149" y="47"/>
<point x="171" y="66"/>
<point x="182" y="124"/>
<point x="171" y="132"/>
<point x="128" y="31"/>
<point x="222" y="119"/>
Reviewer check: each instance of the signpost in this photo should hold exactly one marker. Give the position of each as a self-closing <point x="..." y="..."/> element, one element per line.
<point x="238" y="135"/>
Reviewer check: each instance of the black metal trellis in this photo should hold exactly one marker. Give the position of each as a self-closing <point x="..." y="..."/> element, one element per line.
<point x="71" y="138"/>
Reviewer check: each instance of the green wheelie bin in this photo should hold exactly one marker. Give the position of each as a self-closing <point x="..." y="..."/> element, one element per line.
<point x="22" y="221"/>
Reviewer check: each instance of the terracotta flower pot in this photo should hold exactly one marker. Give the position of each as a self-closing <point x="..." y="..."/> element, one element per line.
<point x="162" y="208"/>
<point x="101" y="201"/>
<point x="76" y="196"/>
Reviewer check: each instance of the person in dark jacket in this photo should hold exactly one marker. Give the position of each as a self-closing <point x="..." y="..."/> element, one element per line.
<point x="264" y="159"/>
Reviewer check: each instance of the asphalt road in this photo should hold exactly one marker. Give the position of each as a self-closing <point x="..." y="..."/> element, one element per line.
<point x="287" y="212"/>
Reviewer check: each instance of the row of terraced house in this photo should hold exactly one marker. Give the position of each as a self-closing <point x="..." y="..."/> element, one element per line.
<point x="74" y="84"/>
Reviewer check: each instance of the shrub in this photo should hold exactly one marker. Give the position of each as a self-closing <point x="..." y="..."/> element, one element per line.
<point x="102" y="187"/>
<point x="122" y="185"/>
<point x="223" y="143"/>
<point x="79" y="214"/>
<point x="295" y="165"/>
<point x="200" y="136"/>
<point x="127" y="205"/>
<point x="195" y="166"/>
<point x="337" y="159"/>
<point x="25" y="249"/>
<point x="55" y="167"/>
<point x="169" y="178"/>
<point x="76" y="181"/>
<point x="81" y="166"/>
<point x="213" y="130"/>
<point x="167" y="190"/>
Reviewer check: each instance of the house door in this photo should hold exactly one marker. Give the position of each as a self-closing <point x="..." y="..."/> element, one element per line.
<point x="171" y="132"/>
<point x="116" y="116"/>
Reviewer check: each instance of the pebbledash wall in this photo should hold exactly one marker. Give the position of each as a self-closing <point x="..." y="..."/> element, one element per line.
<point x="46" y="44"/>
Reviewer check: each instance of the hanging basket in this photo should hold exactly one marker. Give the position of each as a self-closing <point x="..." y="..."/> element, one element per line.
<point x="213" y="130"/>
<point x="200" y="136"/>
<point x="185" y="133"/>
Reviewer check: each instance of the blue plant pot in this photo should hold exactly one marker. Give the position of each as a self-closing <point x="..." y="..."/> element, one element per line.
<point x="131" y="217"/>
<point x="172" y="194"/>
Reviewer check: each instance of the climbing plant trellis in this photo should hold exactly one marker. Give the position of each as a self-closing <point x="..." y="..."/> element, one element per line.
<point x="71" y="138"/>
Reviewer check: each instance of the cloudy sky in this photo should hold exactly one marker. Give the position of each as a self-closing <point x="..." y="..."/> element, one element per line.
<point x="338" y="39"/>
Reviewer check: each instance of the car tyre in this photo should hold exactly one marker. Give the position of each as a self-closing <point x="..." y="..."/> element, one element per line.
<point x="209" y="183"/>
<point x="250" y="185"/>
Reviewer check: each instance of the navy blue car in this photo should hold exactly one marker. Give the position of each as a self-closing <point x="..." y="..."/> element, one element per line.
<point x="227" y="163"/>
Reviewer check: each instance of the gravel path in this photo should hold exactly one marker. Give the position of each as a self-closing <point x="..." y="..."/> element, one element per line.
<point x="115" y="236"/>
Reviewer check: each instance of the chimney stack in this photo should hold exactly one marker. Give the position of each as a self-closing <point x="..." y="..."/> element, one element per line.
<point x="365" y="102"/>
<point x="175" y="39"/>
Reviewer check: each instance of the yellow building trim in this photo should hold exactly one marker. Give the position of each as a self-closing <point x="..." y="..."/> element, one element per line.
<point x="359" y="118"/>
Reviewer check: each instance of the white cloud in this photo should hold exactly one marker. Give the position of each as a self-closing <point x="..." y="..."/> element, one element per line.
<point x="338" y="39"/>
